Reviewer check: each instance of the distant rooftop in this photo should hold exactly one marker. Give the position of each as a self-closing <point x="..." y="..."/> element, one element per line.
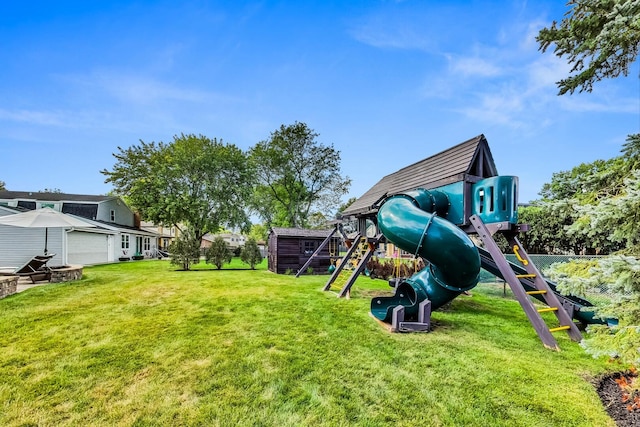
<point x="53" y="197"/>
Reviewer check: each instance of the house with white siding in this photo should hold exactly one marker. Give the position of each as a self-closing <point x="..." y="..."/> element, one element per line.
<point x="115" y="235"/>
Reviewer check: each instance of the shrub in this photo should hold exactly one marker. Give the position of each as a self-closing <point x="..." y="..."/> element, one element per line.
<point x="380" y="268"/>
<point x="218" y="253"/>
<point x="250" y="253"/>
<point x="185" y="250"/>
<point x="620" y="276"/>
<point x="386" y="268"/>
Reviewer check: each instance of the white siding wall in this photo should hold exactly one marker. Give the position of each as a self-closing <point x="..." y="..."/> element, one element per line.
<point x="124" y="216"/>
<point x="88" y="248"/>
<point x="18" y="245"/>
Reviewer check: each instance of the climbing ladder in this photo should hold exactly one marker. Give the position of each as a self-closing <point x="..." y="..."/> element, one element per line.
<point x="535" y="281"/>
<point x="352" y="264"/>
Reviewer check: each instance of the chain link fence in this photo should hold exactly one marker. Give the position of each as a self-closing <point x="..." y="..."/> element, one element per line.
<point x="543" y="262"/>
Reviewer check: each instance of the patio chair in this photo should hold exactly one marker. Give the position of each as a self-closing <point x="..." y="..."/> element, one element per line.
<point x="36" y="269"/>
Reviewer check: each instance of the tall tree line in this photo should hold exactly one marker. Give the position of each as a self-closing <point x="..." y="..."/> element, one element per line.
<point x="202" y="185"/>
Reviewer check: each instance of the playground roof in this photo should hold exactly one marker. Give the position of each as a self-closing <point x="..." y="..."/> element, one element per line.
<point x="469" y="161"/>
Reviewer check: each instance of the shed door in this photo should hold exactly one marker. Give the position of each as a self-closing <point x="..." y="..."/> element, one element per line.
<point x="87" y="248"/>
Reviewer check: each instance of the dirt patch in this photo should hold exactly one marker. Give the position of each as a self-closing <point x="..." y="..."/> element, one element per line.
<point x="617" y="402"/>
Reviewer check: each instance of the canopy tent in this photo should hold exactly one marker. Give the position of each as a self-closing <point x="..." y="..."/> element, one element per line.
<point x="43" y="218"/>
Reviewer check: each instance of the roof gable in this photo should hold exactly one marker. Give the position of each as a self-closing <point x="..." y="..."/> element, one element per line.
<point x="299" y="232"/>
<point x="468" y="160"/>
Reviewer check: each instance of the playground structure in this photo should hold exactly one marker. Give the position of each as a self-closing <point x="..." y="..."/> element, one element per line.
<point x="431" y="209"/>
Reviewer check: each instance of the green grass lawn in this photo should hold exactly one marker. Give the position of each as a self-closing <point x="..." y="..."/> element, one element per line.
<point x="141" y="344"/>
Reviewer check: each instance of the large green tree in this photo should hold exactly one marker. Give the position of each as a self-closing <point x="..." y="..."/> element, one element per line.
<point x="618" y="274"/>
<point x="259" y="232"/>
<point x="557" y="218"/>
<point x="599" y="38"/>
<point x="547" y="222"/>
<point x="588" y="182"/>
<point x="2" y="186"/>
<point x="345" y="205"/>
<point x="297" y="176"/>
<point x="616" y="215"/>
<point x="191" y="182"/>
<point x="610" y="218"/>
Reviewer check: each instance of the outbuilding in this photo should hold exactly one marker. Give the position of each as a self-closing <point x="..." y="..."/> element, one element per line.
<point x="290" y="248"/>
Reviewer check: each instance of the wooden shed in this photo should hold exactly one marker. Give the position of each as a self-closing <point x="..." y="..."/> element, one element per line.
<point x="290" y="248"/>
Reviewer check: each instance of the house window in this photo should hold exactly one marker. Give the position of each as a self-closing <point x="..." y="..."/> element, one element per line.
<point x="112" y="215"/>
<point x="125" y="241"/>
<point x="27" y="205"/>
<point x="147" y="244"/>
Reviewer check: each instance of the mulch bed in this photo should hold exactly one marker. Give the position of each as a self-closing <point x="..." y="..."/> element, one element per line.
<point x="620" y="406"/>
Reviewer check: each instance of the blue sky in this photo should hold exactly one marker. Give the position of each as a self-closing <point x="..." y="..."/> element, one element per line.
<point x="387" y="83"/>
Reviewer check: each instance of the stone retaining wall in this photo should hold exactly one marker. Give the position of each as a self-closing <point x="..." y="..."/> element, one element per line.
<point x="66" y="273"/>
<point x="8" y="285"/>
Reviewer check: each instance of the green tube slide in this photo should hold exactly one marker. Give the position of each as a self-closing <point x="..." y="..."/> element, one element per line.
<point x="412" y="222"/>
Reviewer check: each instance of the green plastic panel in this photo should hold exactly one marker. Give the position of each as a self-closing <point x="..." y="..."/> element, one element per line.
<point x="495" y="199"/>
<point x="455" y="192"/>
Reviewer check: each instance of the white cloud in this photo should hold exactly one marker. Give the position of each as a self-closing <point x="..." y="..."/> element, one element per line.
<point x="38" y="118"/>
<point x="144" y="90"/>
<point x="394" y="28"/>
<point x="504" y="107"/>
<point x="576" y="103"/>
<point x="394" y="37"/>
<point x="545" y="71"/>
<point x="66" y="119"/>
<point x="473" y="66"/>
<point x="513" y="84"/>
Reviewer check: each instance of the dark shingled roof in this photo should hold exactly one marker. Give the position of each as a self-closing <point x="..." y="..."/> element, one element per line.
<point x="300" y="232"/>
<point x="470" y="158"/>
<point x="53" y="197"/>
